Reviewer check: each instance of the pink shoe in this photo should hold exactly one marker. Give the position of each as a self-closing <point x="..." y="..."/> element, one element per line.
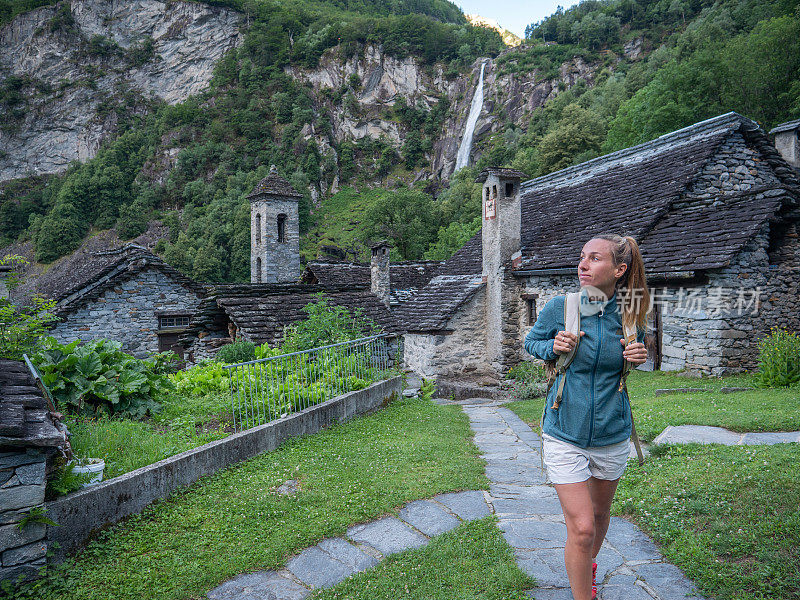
<point x="594" y="583"/>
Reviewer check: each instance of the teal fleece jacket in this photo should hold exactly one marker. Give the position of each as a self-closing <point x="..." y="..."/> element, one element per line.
<point x="592" y="411"/>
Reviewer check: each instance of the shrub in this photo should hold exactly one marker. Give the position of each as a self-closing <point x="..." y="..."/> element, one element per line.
<point x="778" y="359"/>
<point x="237" y="352"/>
<point x="98" y="377"/>
<point x="21" y="328"/>
<point x="202" y="379"/>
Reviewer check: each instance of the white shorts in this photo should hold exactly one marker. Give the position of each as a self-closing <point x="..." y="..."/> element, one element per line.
<point x="568" y="463"/>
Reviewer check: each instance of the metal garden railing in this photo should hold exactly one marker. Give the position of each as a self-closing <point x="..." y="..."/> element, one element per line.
<point x="269" y="388"/>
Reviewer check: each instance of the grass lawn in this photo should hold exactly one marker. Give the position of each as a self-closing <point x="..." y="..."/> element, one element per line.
<point x="472" y="561"/>
<point x="756" y="410"/>
<point x="233" y="522"/>
<point x="727" y="516"/>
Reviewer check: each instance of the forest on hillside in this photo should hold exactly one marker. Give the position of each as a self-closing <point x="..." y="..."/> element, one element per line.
<point x="699" y="59"/>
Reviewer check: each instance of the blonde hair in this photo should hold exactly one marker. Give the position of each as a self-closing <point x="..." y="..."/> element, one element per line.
<point x="634" y="297"/>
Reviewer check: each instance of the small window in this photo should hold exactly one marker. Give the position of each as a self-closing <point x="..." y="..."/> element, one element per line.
<point x="494" y="191"/>
<point x="258" y="270"/>
<point x="173" y="322"/>
<point x="487" y="193"/>
<point x="509" y="190"/>
<point x="281" y="229"/>
<point x="530" y="307"/>
<point x="258" y="229"/>
<point x="531" y="302"/>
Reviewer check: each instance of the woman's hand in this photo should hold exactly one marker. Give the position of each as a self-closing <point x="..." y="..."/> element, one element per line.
<point x="565" y="341"/>
<point x="636" y="352"/>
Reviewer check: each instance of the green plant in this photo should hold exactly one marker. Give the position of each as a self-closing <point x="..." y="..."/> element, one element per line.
<point x="98" y="377"/>
<point x="22" y="327"/>
<point x="427" y="388"/>
<point x="202" y="379"/>
<point x="326" y="324"/>
<point x="65" y="480"/>
<point x="36" y="515"/>
<point x="237" y="352"/>
<point x="778" y="359"/>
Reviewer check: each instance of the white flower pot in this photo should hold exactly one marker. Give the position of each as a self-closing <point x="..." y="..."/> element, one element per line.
<point x="93" y="466"/>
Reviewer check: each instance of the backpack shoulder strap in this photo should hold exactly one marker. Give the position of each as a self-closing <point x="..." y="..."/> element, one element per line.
<point x="630" y="337"/>
<point x="572" y="323"/>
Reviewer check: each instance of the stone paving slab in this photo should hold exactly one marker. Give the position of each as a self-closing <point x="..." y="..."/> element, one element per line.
<point x="316" y="568"/>
<point x="429" y="518"/>
<point x="773" y="437"/>
<point x="347" y="553"/>
<point x="267" y="585"/>
<point x="387" y="535"/>
<point x="468" y="505"/>
<point x="684" y="434"/>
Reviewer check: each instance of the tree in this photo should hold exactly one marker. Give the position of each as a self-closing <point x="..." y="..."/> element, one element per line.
<point x="579" y="132"/>
<point x="408" y="218"/>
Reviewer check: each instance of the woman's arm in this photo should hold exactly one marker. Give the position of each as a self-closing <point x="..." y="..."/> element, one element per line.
<point x="540" y="339"/>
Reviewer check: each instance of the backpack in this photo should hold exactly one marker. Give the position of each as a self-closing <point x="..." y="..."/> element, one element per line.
<point x="559" y="365"/>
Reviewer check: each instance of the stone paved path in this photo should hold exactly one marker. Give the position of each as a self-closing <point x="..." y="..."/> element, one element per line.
<point x="630" y="565"/>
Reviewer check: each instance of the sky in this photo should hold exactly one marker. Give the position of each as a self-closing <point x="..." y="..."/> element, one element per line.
<point x="513" y="15"/>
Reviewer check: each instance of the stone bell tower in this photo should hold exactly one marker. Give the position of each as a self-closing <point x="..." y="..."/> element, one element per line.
<point x="500" y="235"/>
<point x="274" y="231"/>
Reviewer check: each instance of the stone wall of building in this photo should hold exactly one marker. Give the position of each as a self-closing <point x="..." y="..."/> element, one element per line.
<point x="714" y="329"/>
<point x="22" y="483"/>
<point x="458" y="353"/>
<point x="129" y="313"/>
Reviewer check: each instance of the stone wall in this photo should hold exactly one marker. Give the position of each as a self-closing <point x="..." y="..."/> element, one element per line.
<point x="704" y="336"/>
<point x="22" y="483"/>
<point x="128" y="313"/>
<point x="463" y="351"/>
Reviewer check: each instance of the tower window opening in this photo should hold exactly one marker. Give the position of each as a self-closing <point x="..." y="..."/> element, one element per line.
<point x="509" y="190"/>
<point x="258" y="228"/>
<point x="258" y="270"/>
<point x="281" y="229"/>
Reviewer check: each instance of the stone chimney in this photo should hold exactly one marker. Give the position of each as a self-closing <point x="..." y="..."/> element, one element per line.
<point x="500" y="233"/>
<point x="274" y="231"/>
<point x="379" y="271"/>
<point x="787" y="141"/>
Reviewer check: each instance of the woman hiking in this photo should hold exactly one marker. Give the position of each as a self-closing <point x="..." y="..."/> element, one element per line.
<point x="585" y="440"/>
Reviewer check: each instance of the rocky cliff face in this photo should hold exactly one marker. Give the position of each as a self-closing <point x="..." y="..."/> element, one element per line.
<point x="507" y="98"/>
<point x="72" y="63"/>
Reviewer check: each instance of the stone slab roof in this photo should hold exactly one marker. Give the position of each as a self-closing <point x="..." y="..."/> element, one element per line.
<point x="72" y="271"/>
<point x="432" y="307"/>
<point x="503" y="172"/>
<point x="262" y="310"/>
<point x="405" y="278"/>
<point x="24" y="416"/>
<point x="275" y="185"/>
<point x="110" y="268"/>
<point x="632" y="191"/>
<point x="788" y="126"/>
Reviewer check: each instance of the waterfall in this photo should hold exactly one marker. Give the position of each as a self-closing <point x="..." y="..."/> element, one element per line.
<point x="462" y="158"/>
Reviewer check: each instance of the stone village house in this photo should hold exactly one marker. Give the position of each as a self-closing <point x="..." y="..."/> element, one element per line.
<point x="714" y="208"/>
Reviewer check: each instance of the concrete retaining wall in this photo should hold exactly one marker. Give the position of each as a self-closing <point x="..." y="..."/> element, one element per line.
<point x="87" y="510"/>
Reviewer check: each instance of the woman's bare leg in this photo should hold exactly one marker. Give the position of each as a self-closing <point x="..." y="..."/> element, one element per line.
<point x="576" y="502"/>
<point x="602" y="493"/>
